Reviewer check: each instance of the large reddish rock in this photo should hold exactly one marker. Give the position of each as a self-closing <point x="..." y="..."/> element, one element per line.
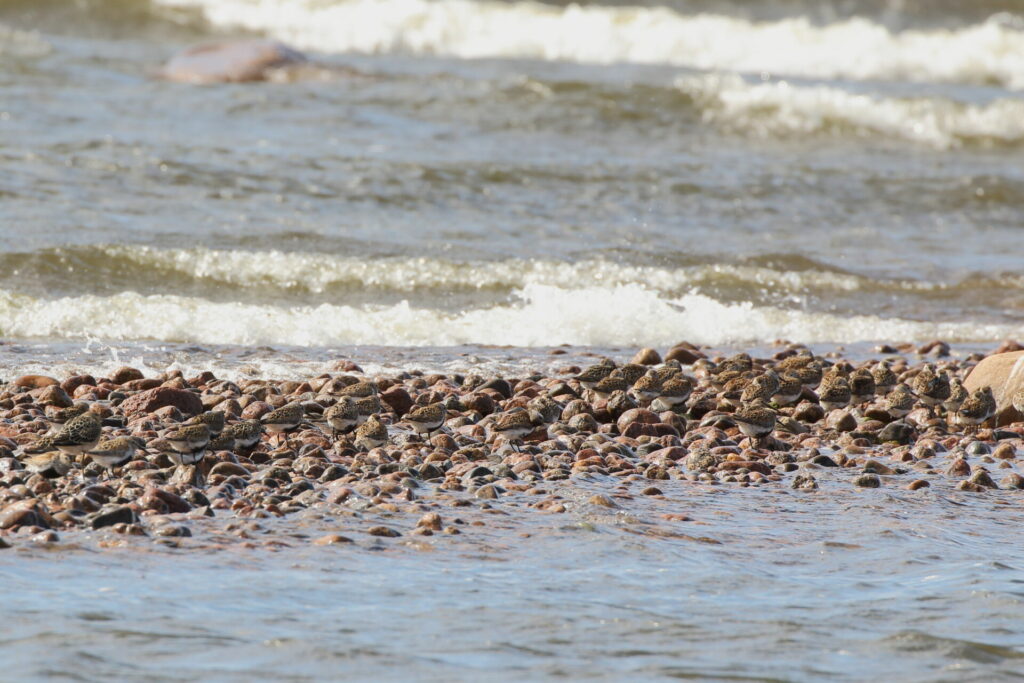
<point x="398" y="399"/>
<point x="188" y="402"/>
<point x="1004" y="372"/>
<point x="230" y="61"/>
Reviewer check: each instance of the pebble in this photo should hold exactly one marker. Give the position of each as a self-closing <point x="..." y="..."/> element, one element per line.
<point x="867" y="481"/>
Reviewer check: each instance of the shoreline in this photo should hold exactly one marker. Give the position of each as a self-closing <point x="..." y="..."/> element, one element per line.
<point x="614" y="456"/>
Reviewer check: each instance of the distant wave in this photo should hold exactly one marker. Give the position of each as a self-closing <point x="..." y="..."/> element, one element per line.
<point x="783" y="108"/>
<point x="855" y="49"/>
<point x="540" y="315"/>
<point x="199" y="269"/>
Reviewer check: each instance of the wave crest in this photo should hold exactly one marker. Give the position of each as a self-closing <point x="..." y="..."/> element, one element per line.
<point x="856" y="49"/>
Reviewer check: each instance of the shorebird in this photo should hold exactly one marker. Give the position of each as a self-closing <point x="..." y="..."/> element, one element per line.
<point x="976" y="409"/>
<point x="188" y="446"/>
<point x="114" y="452"/>
<point x="79" y="434"/>
<point x="513" y="425"/>
<point x="426" y="419"/>
<point x="885" y="378"/>
<point x="213" y="419"/>
<point x="595" y="373"/>
<point x="761" y="388"/>
<point x="756" y="420"/>
<point x="834" y="392"/>
<point x="900" y="401"/>
<point x="371" y="434"/>
<point x="246" y="433"/>
<point x="342" y="416"/>
<point x="284" y="420"/>
<point x="862" y="386"/>
<point x="790" y="388"/>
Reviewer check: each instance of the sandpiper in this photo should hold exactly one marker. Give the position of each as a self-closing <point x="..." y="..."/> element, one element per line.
<point x="790" y="388"/>
<point x="976" y="409"/>
<point x="545" y="409"/>
<point x="62" y="415"/>
<point x="741" y="362"/>
<point x="675" y="391"/>
<point x="114" y="452"/>
<point x="513" y="425"/>
<point x="284" y="420"/>
<point x="213" y="419"/>
<point x="187" y="439"/>
<point x="79" y="434"/>
<point x="862" y="386"/>
<point x="957" y="395"/>
<point x="834" y="392"/>
<point x="609" y="385"/>
<point x="245" y="433"/>
<point x="594" y="374"/>
<point x="359" y="390"/>
<point x="900" y="401"/>
<point x="342" y="416"/>
<point x="761" y="388"/>
<point x="885" y="378"/>
<point x="426" y="419"/>
<point x="810" y="375"/>
<point x="646" y="388"/>
<point x="368" y="406"/>
<point x="931" y="389"/>
<point x="755" y="420"/>
<point x="633" y="372"/>
<point x="371" y="434"/>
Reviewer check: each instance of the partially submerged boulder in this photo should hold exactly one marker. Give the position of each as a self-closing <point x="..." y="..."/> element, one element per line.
<point x="233" y="61"/>
<point x="1004" y="372"/>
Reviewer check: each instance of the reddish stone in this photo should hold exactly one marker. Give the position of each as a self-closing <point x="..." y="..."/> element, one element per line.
<point x="672" y="453"/>
<point x="647" y="356"/>
<point x="685" y="353"/>
<point x="174" y="502"/>
<point x="141" y="384"/>
<point x="35" y="381"/>
<point x="125" y="374"/>
<point x="637" y="429"/>
<point x="71" y="383"/>
<point x="752" y="465"/>
<point x="637" y="415"/>
<point x="398" y="399"/>
<point x="187" y="402"/>
<point x="53" y="395"/>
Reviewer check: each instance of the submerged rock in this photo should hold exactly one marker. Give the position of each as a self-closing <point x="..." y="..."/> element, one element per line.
<point x="233" y="61"/>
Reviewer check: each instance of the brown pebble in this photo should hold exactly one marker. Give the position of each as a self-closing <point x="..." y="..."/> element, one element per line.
<point x="383" y="531"/>
<point x="1004" y="451"/>
<point x="652" y="491"/>
<point x="918" y="484"/>
<point x="602" y="500"/>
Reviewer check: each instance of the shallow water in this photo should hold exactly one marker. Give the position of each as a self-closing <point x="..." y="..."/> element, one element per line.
<point x="841" y="585"/>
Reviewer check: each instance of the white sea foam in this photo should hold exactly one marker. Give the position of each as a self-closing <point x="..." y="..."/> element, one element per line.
<point x="542" y="315"/>
<point x="781" y="108"/>
<point x="20" y="44"/>
<point x="855" y="49"/>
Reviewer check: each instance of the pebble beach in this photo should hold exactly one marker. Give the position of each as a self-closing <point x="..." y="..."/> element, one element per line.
<point x="584" y="444"/>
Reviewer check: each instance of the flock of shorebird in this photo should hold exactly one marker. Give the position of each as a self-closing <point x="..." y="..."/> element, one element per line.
<point x="753" y="393"/>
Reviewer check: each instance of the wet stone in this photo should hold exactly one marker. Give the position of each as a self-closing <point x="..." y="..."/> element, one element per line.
<point x="867" y="481"/>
